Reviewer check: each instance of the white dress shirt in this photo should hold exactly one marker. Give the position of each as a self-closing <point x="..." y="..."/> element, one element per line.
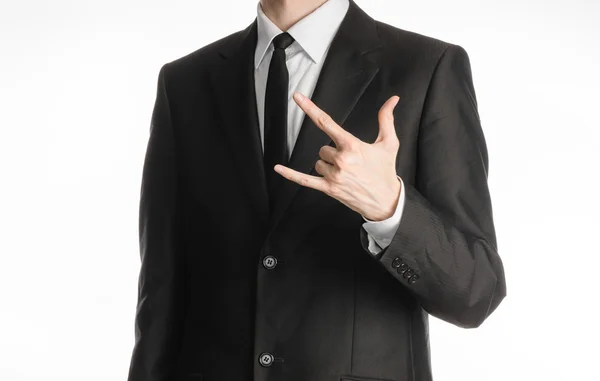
<point x="304" y="58"/>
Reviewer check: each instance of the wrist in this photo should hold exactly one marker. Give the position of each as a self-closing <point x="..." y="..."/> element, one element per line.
<point x="389" y="212"/>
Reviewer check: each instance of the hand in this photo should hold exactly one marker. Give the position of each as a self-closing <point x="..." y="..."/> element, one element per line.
<point x="360" y="175"/>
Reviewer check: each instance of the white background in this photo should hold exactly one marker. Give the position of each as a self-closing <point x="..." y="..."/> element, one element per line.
<point x="77" y="86"/>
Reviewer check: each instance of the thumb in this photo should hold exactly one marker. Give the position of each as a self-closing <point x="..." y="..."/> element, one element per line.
<point x="387" y="131"/>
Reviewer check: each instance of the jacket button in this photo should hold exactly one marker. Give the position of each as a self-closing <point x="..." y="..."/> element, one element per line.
<point x="396" y="262"/>
<point x="402" y="269"/>
<point x="269" y="262"/>
<point x="407" y="274"/>
<point x="265" y="359"/>
<point x="413" y="279"/>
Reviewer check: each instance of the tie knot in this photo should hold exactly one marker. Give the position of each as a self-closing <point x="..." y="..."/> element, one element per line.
<point x="282" y="40"/>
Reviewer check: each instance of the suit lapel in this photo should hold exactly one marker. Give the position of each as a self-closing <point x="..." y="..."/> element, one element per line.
<point x="346" y="73"/>
<point x="233" y="84"/>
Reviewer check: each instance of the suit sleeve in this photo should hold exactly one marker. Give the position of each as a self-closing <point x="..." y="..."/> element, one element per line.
<point x="444" y="250"/>
<point x="159" y="306"/>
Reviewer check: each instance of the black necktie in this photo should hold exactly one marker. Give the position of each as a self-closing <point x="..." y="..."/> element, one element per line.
<point x="275" y="115"/>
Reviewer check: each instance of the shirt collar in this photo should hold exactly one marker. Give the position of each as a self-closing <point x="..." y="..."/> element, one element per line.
<point x="313" y="33"/>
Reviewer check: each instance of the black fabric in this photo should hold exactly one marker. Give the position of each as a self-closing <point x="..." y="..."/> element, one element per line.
<point x="275" y="116"/>
<point x="329" y="310"/>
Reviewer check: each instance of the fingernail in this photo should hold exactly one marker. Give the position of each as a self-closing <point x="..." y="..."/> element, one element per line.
<point x="299" y="97"/>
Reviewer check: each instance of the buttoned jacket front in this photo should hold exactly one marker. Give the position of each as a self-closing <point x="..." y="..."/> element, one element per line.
<point x="227" y="294"/>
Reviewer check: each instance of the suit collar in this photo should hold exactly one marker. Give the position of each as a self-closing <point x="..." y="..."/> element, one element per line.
<point x="362" y="37"/>
<point x="313" y="33"/>
<point x="346" y="73"/>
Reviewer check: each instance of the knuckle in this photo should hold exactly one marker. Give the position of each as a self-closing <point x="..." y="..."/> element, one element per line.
<point x="323" y="151"/>
<point x="319" y="165"/>
<point x="335" y="176"/>
<point x="342" y="160"/>
<point x="353" y="145"/>
<point x="333" y="191"/>
<point x="324" y="120"/>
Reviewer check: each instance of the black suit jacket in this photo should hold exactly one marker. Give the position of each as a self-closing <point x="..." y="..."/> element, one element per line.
<point x="329" y="310"/>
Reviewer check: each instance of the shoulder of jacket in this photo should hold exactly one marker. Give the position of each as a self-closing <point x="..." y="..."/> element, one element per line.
<point x="204" y="56"/>
<point x="413" y="42"/>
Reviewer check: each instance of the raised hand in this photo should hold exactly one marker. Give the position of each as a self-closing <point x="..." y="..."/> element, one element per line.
<point x="360" y="175"/>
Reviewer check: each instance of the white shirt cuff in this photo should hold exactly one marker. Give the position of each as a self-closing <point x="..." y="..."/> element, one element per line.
<point x="380" y="233"/>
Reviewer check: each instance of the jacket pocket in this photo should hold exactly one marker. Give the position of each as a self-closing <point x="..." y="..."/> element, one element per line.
<point x="349" y="377"/>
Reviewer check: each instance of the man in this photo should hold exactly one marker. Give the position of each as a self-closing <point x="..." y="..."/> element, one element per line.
<point x="314" y="186"/>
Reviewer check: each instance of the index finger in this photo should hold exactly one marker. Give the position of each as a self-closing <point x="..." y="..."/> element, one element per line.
<point x="341" y="137"/>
